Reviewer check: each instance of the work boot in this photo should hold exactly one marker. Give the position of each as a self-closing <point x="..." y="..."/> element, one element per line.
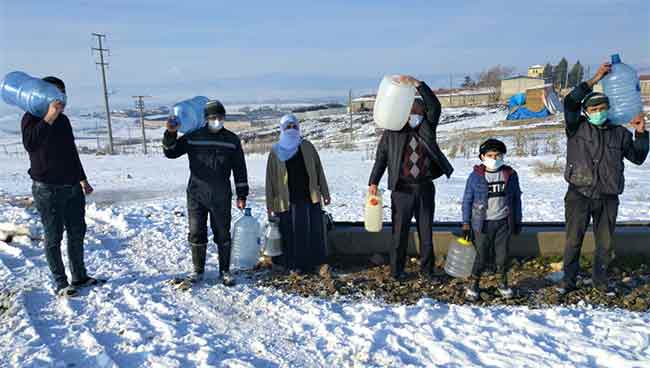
<point x="565" y="287"/>
<point x="199" y="254"/>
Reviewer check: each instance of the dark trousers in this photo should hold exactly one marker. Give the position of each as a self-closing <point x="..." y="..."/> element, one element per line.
<point x="408" y="201"/>
<point x="303" y="241"/>
<point x="579" y="210"/>
<point x="62" y="207"/>
<point x="493" y="240"/>
<point x="220" y="217"/>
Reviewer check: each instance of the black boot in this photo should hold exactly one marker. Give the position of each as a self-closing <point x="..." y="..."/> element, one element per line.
<point x="199" y="254"/>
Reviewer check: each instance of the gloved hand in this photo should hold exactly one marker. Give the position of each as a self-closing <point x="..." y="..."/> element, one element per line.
<point x="467" y="232"/>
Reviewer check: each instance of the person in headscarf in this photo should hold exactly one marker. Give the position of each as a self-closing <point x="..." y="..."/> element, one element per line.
<point x="295" y="190"/>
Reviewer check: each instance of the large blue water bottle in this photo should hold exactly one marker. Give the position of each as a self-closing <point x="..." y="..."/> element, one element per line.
<point x="190" y="114"/>
<point x="29" y="94"/>
<point x="622" y="87"/>
<point x="245" y="251"/>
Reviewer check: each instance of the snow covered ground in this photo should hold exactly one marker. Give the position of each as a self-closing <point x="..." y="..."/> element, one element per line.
<point x="136" y="320"/>
<point x="136" y="238"/>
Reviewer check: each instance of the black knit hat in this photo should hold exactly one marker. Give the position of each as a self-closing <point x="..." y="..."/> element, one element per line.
<point x="214" y="107"/>
<point x="492" y="145"/>
<point x="595" y="98"/>
<point x="56" y="81"/>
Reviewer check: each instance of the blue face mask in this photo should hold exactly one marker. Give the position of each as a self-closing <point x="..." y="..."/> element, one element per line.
<point x="598" y="118"/>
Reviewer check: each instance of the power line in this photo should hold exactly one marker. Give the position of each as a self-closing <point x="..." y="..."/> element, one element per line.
<point x="139" y="104"/>
<point x="103" y="64"/>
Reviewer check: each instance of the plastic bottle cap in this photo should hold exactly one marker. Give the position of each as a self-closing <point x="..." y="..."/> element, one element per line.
<point x="463" y="241"/>
<point x="247" y="212"/>
<point x="616" y="59"/>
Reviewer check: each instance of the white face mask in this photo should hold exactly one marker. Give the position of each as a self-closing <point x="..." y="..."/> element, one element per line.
<point x="493" y="164"/>
<point x="415" y="120"/>
<point x="215" y="125"/>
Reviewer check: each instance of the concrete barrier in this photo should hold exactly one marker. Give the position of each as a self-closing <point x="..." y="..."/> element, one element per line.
<point x="536" y="239"/>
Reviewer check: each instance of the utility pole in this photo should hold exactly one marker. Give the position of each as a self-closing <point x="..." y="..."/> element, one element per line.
<point x="451" y="87"/>
<point x="350" y="106"/>
<point x="139" y="104"/>
<point x="103" y="64"/>
<point x="97" y="131"/>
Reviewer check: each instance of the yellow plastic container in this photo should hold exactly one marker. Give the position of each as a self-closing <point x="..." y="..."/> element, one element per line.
<point x="374" y="214"/>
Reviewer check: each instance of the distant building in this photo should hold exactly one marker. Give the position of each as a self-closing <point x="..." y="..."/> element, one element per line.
<point x="536" y="71"/>
<point x="644" y="82"/>
<point x="448" y="98"/>
<point x="469" y="97"/>
<point x="518" y="84"/>
<point x="363" y="104"/>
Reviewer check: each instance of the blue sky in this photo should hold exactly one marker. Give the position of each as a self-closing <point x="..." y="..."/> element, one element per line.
<point x="260" y="50"/>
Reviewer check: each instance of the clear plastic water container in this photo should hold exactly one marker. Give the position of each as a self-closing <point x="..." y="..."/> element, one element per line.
<point x="393" y="104"/>
<point x="190" y="114"/>
<point x="245" y="251"/>
<point x="30" y="94"/>
<point x="374" y="212"/>
<point x="272" y="239"/>
<point x="622" y="87"/>
<point x="460" y="258"/>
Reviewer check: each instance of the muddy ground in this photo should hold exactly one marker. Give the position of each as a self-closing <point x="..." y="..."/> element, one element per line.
<point x="533" y="282"/>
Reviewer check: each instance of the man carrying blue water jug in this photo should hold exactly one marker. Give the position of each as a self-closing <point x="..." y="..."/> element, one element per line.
<point x="214" y="153"/>
<point x="596" y="148"/>
<point x="59" y="189"/>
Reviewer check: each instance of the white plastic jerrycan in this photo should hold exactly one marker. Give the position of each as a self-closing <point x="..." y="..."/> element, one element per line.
<point x="460" y="258"/>
<point x="273" y="238"/>
<point x="374" y="214"/>
<point x="393" y="103"/>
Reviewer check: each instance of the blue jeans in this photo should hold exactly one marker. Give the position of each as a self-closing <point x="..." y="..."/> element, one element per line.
<point x="62" y="207"/>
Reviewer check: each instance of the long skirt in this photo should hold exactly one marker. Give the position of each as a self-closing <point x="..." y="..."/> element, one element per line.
<point x="303" y="245"/>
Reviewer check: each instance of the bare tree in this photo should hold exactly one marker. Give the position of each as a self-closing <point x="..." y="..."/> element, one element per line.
<point x="491" y="78"/>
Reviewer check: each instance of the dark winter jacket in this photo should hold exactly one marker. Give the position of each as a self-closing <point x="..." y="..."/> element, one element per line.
<point x="595" y="154"/>
<point x="475" y="199"/>
<point x="212" y="156"/>
<point x="52" y="151"/>
<point x="390" y="150"/>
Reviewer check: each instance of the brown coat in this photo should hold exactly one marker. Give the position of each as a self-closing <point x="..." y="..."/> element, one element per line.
<point x="277" y="179"/>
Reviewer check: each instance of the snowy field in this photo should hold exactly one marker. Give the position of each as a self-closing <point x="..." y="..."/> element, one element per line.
<point x="136" y="239"/>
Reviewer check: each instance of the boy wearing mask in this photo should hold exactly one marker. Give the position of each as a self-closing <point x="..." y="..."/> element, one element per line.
<point x="491" y="214"/>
